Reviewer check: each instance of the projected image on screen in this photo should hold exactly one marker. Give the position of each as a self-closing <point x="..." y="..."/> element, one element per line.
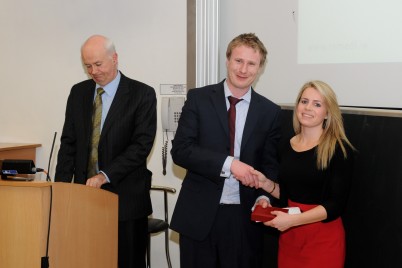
<point x="349" y="31"/>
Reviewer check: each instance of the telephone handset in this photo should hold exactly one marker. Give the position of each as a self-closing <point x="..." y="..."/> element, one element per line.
<point x="170" y="112"/>
<point x="164" y="157"/>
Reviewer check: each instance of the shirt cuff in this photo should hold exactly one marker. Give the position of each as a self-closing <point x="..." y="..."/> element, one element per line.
<point x="107" y="178"/>
<point x="225" y="172"/>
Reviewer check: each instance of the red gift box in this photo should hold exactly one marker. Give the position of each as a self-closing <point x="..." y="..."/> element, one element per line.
<point x="264" y="214"/>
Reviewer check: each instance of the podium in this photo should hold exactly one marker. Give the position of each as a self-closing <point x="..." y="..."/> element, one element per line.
<point x="82" y="231"/>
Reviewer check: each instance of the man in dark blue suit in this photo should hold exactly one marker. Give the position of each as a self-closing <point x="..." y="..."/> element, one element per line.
<point x="127" y="132"/>
<point x="212" y="213"/>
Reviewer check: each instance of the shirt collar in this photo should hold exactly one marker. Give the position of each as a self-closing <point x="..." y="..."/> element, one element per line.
<point x="111" y="88"/>
<point x="246" y="97"/>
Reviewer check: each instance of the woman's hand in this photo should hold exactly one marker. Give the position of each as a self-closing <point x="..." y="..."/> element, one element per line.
<point x="263" y="182"/>
<point x="261" y="177"/>
<point x="282" y="221"/>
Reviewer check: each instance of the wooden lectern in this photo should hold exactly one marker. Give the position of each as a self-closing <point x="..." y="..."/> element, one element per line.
<point x="83" y="225"/>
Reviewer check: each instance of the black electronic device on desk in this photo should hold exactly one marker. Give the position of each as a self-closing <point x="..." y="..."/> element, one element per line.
<point x="11" y="168"/>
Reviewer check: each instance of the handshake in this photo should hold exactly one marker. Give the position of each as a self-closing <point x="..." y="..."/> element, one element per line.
<point x="250" y="177"/>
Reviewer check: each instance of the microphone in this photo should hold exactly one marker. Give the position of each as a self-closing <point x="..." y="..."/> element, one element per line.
<point x="50" y="158"/>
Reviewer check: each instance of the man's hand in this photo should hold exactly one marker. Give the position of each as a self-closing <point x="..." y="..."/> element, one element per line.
<point x="97" y="181"/>
<point x="241" y="172"/>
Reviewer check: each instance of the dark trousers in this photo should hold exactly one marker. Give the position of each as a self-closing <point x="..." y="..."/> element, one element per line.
<point x="270" y="248"/>
<point x="132" y="243"/>
<point x="227" y="245"/>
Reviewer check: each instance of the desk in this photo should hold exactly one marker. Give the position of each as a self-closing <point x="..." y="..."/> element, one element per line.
<point x="18" y="151"/>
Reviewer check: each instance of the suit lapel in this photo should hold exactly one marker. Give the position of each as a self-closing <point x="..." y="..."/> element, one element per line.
<point x="219" y="102"/>
<point x="116" y="106"/>
<point x="252" y="119"/>
<point x="88" y="100"/>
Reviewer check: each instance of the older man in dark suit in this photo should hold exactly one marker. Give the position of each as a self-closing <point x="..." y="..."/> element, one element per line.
<point x="212" y="213"/>
<point x="111" y="154"/>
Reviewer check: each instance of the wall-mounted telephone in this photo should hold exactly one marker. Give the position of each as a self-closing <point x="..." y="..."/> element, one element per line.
<point x="170" y="112"/>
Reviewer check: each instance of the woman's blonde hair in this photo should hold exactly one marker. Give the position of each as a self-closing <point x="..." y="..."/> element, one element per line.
<point x="333" y="130"/>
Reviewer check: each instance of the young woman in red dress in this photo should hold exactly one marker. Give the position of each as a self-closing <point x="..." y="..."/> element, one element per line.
<point x="315" y="175"/>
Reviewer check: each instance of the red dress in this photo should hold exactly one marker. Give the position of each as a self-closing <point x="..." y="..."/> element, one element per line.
<point x="315" y="245"/>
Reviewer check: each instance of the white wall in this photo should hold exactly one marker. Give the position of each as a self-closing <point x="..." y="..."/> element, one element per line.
<point x="39" y="52"/>
<point x="40" y="56"/>
<point x="370" y="79"/>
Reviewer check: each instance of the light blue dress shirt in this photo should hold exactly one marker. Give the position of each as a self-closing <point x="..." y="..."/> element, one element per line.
<point x="231" y="193"/>
<point x="108" y="96"/>
<point x="107" y="99"/>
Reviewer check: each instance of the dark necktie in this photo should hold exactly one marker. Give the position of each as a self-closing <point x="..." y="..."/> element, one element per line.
<point x="96" y="123"/>
<point x="232" y="121"/>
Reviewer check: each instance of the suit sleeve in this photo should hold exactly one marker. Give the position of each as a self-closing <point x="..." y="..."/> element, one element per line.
<point x="195" y="146"/>
<point x="68" y="140"/>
